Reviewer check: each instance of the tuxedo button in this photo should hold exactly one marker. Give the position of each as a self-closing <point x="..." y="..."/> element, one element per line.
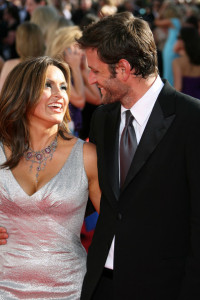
<point x="119" y="217"/>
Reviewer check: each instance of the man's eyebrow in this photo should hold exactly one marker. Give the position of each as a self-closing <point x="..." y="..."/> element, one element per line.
<point x="92" y="68"/>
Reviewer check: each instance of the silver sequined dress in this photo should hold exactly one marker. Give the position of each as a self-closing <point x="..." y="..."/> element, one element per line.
<point x="44" y="258"/>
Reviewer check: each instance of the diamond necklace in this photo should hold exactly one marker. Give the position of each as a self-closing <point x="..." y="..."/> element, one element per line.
<point x="41" y="157"/>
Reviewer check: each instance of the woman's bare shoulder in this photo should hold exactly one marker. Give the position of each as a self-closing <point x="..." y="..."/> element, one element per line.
<point x="11" y="63"/>
<point x="89" y="149"/>
<point x="7" y="67"/>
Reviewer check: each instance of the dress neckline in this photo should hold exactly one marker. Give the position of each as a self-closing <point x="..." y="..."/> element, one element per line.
<point x="48" y="182"/>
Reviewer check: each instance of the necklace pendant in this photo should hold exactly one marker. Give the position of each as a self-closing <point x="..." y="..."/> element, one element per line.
<point x="41" y="157"/>
<point x="36" y="175"/>
<point x="28" y="155"/>
<point x="47" y="150"/>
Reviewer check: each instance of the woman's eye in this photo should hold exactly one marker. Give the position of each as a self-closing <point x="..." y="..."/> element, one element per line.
<point x="48" y="84"/>
<point x="63" y="87"/>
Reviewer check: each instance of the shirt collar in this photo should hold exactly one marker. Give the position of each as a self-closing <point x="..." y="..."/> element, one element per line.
<point x="143" y="107"/>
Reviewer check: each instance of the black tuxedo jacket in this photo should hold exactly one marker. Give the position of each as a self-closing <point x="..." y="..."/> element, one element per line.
<point x="156" y="216"/>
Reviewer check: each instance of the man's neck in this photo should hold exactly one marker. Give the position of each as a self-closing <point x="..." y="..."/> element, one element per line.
<point x="139" y="87"/>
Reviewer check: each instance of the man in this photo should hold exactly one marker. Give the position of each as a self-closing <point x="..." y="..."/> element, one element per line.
<point x="146" y="244"/>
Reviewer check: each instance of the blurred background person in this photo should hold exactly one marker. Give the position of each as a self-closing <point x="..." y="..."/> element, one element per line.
<point x="191" y="9"/>
<point x="1" y="63"/>
<point x="58" y="22"/>
<point x="186" y="68"/>
<point x="106" y="8"/>
<point x="88" y="19"/>
<point x="58" y="4"/>
<point x="84" y="7"/>
<point x="67" y="9"/>
<point x="29" y="43"/>
<point x="64" y="46"/>
<point x="131" y="6"/>
<point x="31" y="5"/>
<point x="169" y="20"/>
<point x="8" y="27"/>
<point x="44" y="16"/>
<point x="191" y="21"/>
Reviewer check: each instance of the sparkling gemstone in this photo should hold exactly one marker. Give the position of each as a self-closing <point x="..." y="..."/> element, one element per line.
<point x="38" y="168"/>
<point x="29" y="155"/>
<point x="39" y="156"/>
<point x="48" y="150"/>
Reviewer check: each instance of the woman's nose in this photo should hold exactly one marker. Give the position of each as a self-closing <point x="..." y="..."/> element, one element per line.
<point x="57" y="91"/>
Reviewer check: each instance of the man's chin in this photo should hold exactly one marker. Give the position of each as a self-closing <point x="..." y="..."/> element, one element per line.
<point x="108" y="100"/>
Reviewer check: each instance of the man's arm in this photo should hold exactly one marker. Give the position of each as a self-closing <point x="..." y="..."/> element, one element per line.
<point x="3" y="236"/>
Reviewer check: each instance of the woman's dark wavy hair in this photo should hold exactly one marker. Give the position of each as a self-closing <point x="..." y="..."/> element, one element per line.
<point x="19" y="95"/>
<point x="191" y="39"/>
<point x="122" y="36"/>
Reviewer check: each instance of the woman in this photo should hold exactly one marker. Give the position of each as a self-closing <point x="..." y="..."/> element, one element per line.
<point x="45" y="176"/>
<point x="59" y="22"/>
<point x="29" y="43"/>
<point x="186" y="68"/>
<point x="44" y="16"/>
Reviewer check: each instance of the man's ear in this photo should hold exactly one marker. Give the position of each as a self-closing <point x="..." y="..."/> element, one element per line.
<point x="123" y="69"/>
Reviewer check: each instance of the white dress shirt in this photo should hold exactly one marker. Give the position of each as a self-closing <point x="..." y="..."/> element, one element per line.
<point x="141" y="111"/>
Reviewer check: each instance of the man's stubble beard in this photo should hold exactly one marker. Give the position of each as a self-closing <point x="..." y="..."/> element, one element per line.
<point x="109" y="99"/>
<point x="115" y="91"/>
<point x="114" y="96"/>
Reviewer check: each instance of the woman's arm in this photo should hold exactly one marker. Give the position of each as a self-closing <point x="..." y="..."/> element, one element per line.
<point x="164" y="23"/>
<point x="161" y="20"/>
<point x="90" y="162"/>
<point x="177" y="74"/>
<point x="92" y="93"/>
<point x="73" y="56"/>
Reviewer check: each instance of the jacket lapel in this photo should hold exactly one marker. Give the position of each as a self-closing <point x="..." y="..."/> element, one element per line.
<point x="160" y="120"/>
<point x="111" y="147"/>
